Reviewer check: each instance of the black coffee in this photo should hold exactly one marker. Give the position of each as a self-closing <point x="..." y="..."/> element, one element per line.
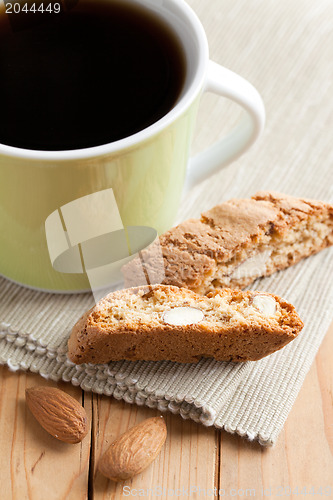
<point x="83" y="77"/>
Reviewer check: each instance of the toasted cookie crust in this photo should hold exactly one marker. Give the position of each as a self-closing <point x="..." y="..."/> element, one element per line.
<point x="139" y="324"/>
<point x="235" y="243"/>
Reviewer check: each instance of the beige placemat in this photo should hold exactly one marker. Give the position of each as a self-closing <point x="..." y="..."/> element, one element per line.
<point x="286" y="50"/>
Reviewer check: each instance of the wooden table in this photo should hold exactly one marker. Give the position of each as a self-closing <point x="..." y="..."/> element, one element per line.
<point x="195" y="462"/>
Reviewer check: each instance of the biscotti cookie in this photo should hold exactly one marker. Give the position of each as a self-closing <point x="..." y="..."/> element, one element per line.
<point x="235" y="243"/>
<point x="162" y="322"/>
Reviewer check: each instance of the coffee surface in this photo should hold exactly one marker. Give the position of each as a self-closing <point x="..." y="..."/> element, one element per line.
<point x="84" y="77"/>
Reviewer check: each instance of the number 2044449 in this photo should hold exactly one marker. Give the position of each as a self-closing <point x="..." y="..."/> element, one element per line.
<point x="16" y="8"/>
<point x="325" y="491"/>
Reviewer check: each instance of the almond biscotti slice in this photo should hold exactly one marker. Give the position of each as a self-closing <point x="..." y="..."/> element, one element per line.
<point x="162" y="322"/>
<point x="235" y="243"/>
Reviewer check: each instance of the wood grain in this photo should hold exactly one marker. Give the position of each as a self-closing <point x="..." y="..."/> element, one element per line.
<point x="187" y="458"/>
<point x="33" y="464"/>
<point x="302" y="459"/>
<point x="194" y="460"/>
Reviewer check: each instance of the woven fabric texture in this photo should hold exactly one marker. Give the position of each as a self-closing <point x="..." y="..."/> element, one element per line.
<point x="286" y="50"/>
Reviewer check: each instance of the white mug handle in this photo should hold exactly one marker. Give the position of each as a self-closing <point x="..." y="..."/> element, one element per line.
<point x="225" y="83"/>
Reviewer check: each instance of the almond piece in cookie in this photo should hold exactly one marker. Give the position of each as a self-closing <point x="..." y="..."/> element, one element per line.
<point x="235" y="243"/>
<point x="182" y="316"/>
<point x="162" y="322"/>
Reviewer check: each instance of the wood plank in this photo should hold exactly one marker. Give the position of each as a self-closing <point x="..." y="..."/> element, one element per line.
<point x="187" y="459"/>
<point x="33" y="464"/>
<point x="302" y="459"/>
<point x="32" y="461"/>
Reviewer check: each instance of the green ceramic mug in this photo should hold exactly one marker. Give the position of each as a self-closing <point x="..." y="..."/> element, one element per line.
<point x="145" y="172"/>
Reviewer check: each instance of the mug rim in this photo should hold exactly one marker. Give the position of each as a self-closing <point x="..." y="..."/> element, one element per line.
<point x="177" y="6"/>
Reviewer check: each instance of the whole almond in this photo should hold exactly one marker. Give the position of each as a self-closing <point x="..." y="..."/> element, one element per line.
<point x="134" y="450"/>
<point x="58" y="413"/>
